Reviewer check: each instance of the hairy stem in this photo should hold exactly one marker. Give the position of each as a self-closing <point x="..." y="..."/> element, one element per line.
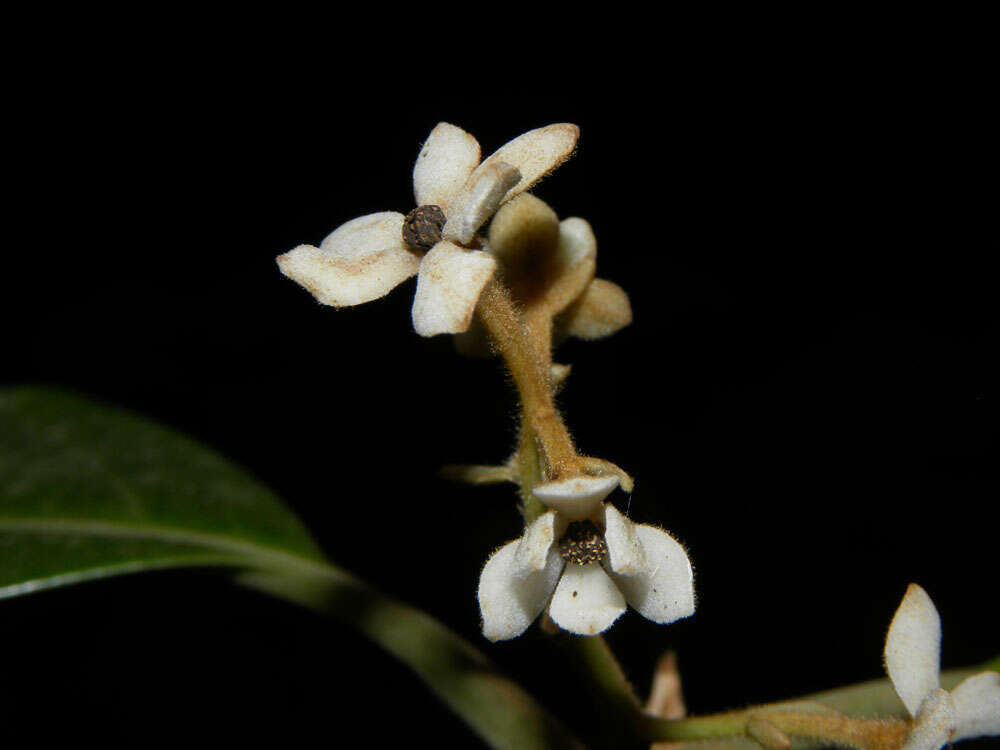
<point x="865" y="734"/>
<point x="546" y="451"/>
<point x="833" y="716"/>
<point x="529" y="369"/>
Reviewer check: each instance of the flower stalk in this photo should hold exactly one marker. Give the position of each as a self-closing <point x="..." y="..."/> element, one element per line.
<point x="864" y="734"/>
<point x="546" y="452"/>
<point x="499" y="270"/>
<point x="529" y="365"/>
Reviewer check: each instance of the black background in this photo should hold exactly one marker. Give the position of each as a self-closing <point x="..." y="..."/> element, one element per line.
<point x="807" y="397"/>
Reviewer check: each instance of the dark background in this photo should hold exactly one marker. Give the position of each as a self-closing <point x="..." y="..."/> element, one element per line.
<point x="807" y="397"/>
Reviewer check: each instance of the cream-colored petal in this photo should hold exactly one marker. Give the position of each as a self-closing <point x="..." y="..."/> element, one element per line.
<point x="913" y="647"/>
<point x="977" y="706"/>
<point x="359" y="261"/>
<point x="478" y="201"/>
<point x="448" y="157"/>
<point x="546" y="264"/>
<point x="586" y="601"/>
<point x="577" y="497"/>
<point x="625" y="553"/>
<point x="934" y="724"/>
<point x="664" y="591"/>
<point x="533" y="549"/>
<point x="448" y="287"/>
<point x="601" y="310"/>
<point x="523" y="232"/>
<point x="536" y="153"/>
<point x="574" y="264"/>
<point x="509" y="603"/>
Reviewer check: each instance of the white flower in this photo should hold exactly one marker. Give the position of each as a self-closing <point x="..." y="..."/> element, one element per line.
<point x="548" y="266"/>
<point x="584" y="560"/>
<point x="367" y="257"/>
<point x="912" y="659"/>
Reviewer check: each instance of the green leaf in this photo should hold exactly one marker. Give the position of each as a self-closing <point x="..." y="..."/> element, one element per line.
<point x="88" y="492"/>
<point x="500" y="711"/>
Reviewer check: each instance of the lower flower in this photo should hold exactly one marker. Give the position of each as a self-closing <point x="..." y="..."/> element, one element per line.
<point x="585" y="570"/>
<point x="912" y="659"/>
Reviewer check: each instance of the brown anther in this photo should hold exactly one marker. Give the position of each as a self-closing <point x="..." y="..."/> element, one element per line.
<point x="422" y="227"/>
<point x="582" y="543"/>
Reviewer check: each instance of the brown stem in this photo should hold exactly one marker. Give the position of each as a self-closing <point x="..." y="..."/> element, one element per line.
<point x="865" y="734"/>
<point x="844" y="730"/>
<point x="529" y="364"/>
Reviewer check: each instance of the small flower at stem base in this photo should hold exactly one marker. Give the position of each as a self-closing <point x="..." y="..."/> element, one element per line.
<point x="912" y="659"/>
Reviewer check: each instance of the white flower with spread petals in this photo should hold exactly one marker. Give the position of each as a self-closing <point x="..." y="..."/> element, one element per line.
<point x="912" y="659"/>
<point x="367" y="257"/>
<point x="584" y="560"/>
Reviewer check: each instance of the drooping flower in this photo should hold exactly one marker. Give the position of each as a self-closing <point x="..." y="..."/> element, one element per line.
<point x="912" y="660"/>
<point x="367" y="257"/>
<point x="584" y="560"/>
<point x="548" y="266"/>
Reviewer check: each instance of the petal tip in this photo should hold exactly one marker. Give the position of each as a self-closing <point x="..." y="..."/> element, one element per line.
<point x="586" y="601"/>
<point x="912" y="648"/>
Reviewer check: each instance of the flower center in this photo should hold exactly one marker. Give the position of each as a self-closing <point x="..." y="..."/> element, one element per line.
<point x="422" y="227"/>
<point x="582" y="543"/>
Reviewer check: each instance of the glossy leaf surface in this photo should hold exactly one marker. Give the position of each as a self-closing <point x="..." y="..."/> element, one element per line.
<point x="88" y="492"/>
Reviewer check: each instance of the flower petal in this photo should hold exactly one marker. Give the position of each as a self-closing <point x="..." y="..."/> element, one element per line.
<point x="509" y="603"/>
<point x="576" y="497"/>
<point x="934" y="724"/>
<point x="546" y="264"/>
<point x="977" y="706"/>
<point x="533" y="550"/>
<point x="602" y="309"/>
<point x="448" y="157"/>
<point x="535" y="153"/>
<point x="586" y="601"/>
<point x="482" y="195"/>
<point x="913" y="647"/>
<point x="359" y="261"/>
<point x="523" y="232"/>
<point x="575" y="262"/>
<point x="448" y="287"/>
<point x="664" y="591"/>
<point x="625" y="553"/>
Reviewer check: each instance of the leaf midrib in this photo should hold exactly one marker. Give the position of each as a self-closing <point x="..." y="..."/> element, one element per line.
<point x="263" y="556"/>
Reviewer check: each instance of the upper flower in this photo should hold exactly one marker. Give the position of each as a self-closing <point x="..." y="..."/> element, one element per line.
<point x="367" y="257"/>
<point x="585" y="560"/>
<point x="548" y="266"/>
<point x="912" y="659"/>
